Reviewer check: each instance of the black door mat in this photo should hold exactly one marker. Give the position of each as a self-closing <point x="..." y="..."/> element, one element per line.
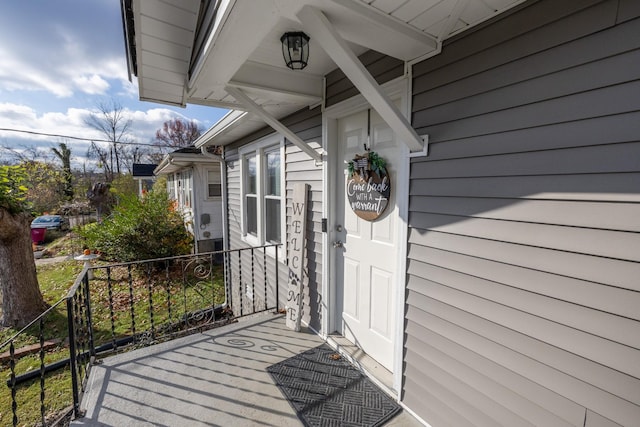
<point x="327" y="391"/>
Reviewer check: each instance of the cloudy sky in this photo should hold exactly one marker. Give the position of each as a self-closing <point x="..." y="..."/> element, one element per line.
<point x="59" y="60"/>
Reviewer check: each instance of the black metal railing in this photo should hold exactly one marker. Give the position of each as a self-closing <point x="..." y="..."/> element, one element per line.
<point x="117" y="306"/>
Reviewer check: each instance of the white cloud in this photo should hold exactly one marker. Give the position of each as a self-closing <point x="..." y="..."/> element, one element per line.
<point x="93" y="85"/>
<point x="13" y="114"/>
<point x="19" y="75"/>
<point x="129" y="89"/>
<point x="61" y="47"/>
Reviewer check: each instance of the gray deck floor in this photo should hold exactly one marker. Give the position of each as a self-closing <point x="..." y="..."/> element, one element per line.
<point x="216" y="378"/>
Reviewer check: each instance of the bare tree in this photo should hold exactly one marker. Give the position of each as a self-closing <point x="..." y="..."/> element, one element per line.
<point x="102" y="155"/>
<point x="135" y="155"/>
<point x="151" y="154"/>
<point x="155" y="157"/>
<point x="24" y="154"/>
<point x="177" y="133"/>
<point x="114" y="124"/>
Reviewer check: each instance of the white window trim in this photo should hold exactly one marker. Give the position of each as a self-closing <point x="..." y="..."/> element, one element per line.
<point x="219" y="181"/>
<point x="186" y="189"/>
<point x="260" y="147"/>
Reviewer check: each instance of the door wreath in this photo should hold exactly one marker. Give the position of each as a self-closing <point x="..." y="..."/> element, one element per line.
<point x="368" y="185"/>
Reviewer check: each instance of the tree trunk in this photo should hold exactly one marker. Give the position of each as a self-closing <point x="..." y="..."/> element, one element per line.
<point x="21" y="297"/>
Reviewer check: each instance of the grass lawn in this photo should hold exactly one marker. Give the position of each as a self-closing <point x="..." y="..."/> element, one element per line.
<point x="172" y="292"/>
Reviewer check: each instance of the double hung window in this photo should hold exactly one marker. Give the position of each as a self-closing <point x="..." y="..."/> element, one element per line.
<point x="214" y="185"/>
<point x="262" y="192"/>
<point x="184" y="188"/>
<point x="171" y="186"/>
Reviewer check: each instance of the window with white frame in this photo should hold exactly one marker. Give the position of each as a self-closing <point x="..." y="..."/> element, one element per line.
<point x="171" y="186"/>
<point x="262" y="198"/>
<point x="214" y="186"/>
<point x="272" y="196"/>
<point x="184" y="188"/>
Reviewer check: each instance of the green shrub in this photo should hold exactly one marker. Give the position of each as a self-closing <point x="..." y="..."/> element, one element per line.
<point x="123" y="186"/>
<point x="13" y="190"/>
<point x="140" y="228"/>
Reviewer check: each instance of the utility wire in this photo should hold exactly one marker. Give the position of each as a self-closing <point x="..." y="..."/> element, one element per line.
<point x="83" y="139"/>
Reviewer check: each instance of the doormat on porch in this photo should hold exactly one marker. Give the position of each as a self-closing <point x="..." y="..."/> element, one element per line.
<point x="326" y="390"/>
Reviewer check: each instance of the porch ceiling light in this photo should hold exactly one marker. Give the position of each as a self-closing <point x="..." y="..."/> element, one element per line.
<point x="295" y="49"/>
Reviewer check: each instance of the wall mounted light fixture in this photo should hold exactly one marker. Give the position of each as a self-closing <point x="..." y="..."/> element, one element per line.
<point x="295" y="49"/>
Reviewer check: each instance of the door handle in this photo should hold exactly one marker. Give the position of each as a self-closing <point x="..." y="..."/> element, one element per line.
<point x="338" y="244"/>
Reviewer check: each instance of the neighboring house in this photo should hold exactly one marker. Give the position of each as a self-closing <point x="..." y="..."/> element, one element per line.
<point x="193" y="181"/>
<point x="500" y="286"/>
<point x="143" y="175"/>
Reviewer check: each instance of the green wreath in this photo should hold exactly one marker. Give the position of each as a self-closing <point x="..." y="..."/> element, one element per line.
<point x="377" y="164"/>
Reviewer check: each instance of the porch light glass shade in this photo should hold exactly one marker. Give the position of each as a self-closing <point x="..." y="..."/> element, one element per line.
<point x="295" y="49"/>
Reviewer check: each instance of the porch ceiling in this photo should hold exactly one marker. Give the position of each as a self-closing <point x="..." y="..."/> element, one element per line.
<point x="241" y="47"/>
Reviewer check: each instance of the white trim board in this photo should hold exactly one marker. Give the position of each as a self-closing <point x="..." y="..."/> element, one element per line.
<point x="395" y="89"/>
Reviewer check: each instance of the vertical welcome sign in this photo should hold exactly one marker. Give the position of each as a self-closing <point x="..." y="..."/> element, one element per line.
<point x="295" y="260"/>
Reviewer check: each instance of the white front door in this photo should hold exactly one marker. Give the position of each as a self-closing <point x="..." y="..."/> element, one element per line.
<point x="367" y="251"/>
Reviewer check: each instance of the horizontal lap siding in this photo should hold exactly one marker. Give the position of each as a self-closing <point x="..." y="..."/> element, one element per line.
<point x="523" y="261"/>
<point x="299" y="167"/>
<point x="381" y="67"/>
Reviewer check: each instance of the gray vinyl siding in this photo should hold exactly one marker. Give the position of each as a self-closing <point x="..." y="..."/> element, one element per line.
<point x="307" y="124"/>
<point x="522" y="289"/>
<point x="383" y="68"/>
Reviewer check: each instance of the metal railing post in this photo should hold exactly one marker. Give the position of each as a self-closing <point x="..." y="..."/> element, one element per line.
<point x="72" y="358"/>
<point x="277" y="281"/>
<point x="12" y="382"/>
<point x="42" y="370"/>
<point x="240" y="280"/>
<point x="264" y="278"/>
<point x="87" y="302"/>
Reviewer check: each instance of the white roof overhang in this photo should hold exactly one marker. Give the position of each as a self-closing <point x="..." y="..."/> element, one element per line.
<point x="163" y="33"/>
<point x="239" y="62"/>
<point x="174" y="162"/>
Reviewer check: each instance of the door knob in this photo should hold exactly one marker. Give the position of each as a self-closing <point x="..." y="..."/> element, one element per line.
<point x="337" y="244"/>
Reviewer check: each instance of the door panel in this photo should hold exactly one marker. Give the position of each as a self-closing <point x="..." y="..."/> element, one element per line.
<point x="381" y="294"/>
<point x="352" y="293"/>
<point x="382" y="232"/>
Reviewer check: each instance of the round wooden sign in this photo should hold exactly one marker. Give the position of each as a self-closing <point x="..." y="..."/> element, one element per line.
<point x="368" y="194"/>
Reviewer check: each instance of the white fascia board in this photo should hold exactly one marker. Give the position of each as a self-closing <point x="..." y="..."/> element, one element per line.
<point x="228" y="47"/>
<point x="174" y="162"/>
<point x="162" y="166"/>
<point x="224" y="9"/>
<point x="228" y="121"/>
<point x="240" y="96"/>
<point x="318" y="26"/>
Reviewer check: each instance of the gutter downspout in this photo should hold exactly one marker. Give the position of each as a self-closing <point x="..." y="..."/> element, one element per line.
<point x="223" y="183"/>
